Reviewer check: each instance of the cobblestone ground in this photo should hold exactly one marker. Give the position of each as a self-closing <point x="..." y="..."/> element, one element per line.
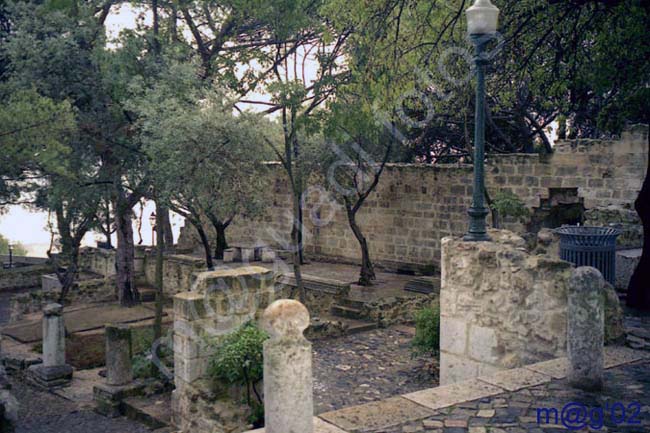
<point x="623" y="406"/>
<point x="42" y="412"/>
<point x="368" y="366"/>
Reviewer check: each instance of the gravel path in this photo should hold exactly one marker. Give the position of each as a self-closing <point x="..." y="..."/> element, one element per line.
<point x="368" y="366"/>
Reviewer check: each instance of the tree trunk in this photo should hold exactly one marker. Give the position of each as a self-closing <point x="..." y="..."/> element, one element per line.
<point x="205" y="241"/>
<point x="367" y="275"/>
<point x="222" y="243"/>
<point x="127" y="292"/>
<point x="167" y="235"/>
<point x="69" y="277"/>
<point x="295" y="247"/>
<point x="638" y="294"/>
<point x="161" y="211"/>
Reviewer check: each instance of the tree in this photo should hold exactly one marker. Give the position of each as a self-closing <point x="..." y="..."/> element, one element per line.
<point x="18" y="248"/>
<point x="33" y="132"/>
<point x="205" y="162"/>
<point x="354" y="164"/>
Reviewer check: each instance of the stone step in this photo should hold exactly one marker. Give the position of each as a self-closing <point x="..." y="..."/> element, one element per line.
<point x="352" y="303"/>
<point x="347" y="312"/>
<point x="357" y="326"/>
<point x="154" y="411"/>
<point x="426" y="285"/>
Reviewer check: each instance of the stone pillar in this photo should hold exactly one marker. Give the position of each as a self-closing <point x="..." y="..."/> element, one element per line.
<point x="118" y="354"/>
<point x="53" y="336"/>
<point x="586" y="329"/>
<point x="53" y="372"/>
<point x="288" y="388"/>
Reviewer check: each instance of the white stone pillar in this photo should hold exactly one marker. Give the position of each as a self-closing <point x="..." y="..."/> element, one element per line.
<point x="53" y="336"/>
<point x="586" y="329"/>
<point x="288" y="388"/>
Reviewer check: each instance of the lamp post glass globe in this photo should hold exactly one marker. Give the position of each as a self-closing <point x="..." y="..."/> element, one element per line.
<point x="482" y="18"/>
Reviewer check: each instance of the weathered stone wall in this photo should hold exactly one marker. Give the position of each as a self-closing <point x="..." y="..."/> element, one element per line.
<point x="178" y="271"/>
<point x="414" y="206"/>
<point x="502" y="307"/>
<point x="98" y="261"/>
<point x="25" y="276"/>
<point x="219" y="302"/>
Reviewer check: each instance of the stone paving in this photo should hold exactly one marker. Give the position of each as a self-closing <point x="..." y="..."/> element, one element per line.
<point x="623" y="406"/>
<point x="368" y="366"/>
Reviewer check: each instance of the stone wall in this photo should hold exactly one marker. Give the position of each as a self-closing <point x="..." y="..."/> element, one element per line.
<point x="178" y="271"/>
<point x="219" y="302"/>
<point x="414" y="206"/>
<point x="22" y="277"/>
<point x="98" y="261"/>
<point x="502" y="307"/>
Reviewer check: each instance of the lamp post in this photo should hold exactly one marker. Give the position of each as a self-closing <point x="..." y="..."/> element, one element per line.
<point x="482" y="20"/>
<point x="152" y="222"/>
<point x="11" y="255"/>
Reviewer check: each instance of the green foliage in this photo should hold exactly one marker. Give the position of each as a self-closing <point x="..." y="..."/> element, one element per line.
<point x="507" y="204"/>
<point x="427" y="331"/>
<point x="142" y="342"/>
<point x="238" y="360"/>
<point x="18" y="250"/>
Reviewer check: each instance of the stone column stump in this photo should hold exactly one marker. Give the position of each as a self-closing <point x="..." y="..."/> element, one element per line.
<point x="586" y="329"/>
<point x="53" y="372"/>
<point x="119" y="372"/>
<point x="288" y="388"/>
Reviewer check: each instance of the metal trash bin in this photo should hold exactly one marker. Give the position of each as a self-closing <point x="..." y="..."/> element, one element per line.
<point x="590" y="246"/>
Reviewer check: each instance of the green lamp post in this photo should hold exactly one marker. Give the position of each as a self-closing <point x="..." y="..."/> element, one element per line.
<point x="482" y="20"/>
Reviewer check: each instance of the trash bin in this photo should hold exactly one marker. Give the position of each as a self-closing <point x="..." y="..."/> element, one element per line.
<point x="590" y="246"/>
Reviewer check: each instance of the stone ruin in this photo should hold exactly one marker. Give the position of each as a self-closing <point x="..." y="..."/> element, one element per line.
<point x="502" y="306"/>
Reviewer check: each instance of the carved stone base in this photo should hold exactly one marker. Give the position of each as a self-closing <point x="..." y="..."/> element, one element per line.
<point x="108" y="398"/>
<point x="50" y="377"/>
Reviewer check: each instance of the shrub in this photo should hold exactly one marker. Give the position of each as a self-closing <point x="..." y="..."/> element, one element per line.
<point x="507" y="204"/>
<point x="238" y="360"/>
<point x="427" y="331"/>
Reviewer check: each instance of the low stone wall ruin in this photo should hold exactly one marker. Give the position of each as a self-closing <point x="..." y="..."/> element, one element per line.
<point x="502" y="307"/>
<point x="219" y="302"/>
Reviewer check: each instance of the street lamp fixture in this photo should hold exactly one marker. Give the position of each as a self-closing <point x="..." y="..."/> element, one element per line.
<point x="482" y="21"/>
<point x="152" y="222"/>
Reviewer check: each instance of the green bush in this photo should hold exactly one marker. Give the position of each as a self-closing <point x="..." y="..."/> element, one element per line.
<point x="238" y="360"/>
<point x="507" y="204"/>
<point x="427" y="331"/>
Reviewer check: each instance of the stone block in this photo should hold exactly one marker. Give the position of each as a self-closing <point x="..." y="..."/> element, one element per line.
<point x="229" y="255"/>
<point x="453" y="335"/>
<point x="50" y="283"/>
<point x="455" y="368"/>
<point x="190" y="305"/>
<point x="516" y="379"/>
<point x="450" y="395"/>
<point x="483" y="344"/>
<point x="626" y="263"/>
<point x="268" y="255"/>
<point x="50" y="377"/>
<point x="108" y="398"/>
<point x="247" y="255"/>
